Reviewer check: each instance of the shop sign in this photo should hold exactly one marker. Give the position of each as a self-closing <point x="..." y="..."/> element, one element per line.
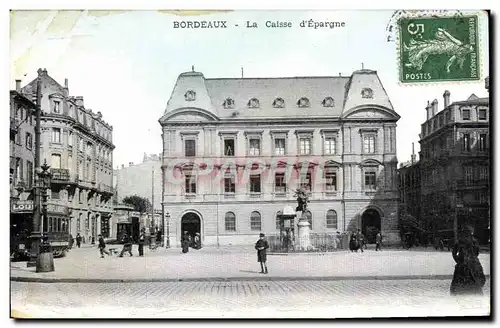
<point x="22" y="206"/>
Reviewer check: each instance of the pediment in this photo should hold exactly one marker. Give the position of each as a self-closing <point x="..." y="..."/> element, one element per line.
<point x="371" y="112"/>
<point x="189" y="115"/>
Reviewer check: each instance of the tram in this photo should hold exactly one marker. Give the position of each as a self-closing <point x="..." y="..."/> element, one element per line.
<point x="55" y="228"/>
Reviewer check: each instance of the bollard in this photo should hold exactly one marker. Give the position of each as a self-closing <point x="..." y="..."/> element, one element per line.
<point x="45" y="259"/>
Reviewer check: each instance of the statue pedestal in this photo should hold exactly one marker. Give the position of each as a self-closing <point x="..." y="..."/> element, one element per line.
<point x="304" y="239"/>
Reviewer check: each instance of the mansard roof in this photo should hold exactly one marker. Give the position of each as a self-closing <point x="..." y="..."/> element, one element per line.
<point x="255" y="98"/>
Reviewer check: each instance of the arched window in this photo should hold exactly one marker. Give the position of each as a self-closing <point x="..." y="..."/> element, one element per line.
<point x="278" y="103"/>
<point x="303" y="102"/>
<point x="253" y="103"/>
<point x="331" y="219"/>
<point x="328" y="102"/>
<point x="255" y="221"/>
<point x="230" y="221"/>
<point x="309" y="219"/>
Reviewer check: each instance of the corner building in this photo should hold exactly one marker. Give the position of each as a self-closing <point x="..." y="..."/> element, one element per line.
<point x="77" y="145"/>
<point x="236" y="149"/>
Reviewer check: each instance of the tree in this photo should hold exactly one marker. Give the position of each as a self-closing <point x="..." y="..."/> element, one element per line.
<point x="140" y="204"/>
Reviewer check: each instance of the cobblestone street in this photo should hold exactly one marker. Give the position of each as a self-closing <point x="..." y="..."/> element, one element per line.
<point x="366" y="298"/>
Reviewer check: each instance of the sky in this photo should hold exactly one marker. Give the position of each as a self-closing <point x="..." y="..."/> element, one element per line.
<point x="125" y="63"/>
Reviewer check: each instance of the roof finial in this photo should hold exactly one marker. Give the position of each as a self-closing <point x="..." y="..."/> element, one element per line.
<point x="362" y="65"/>
<point x="192" y="68"/>
<point x="242" y="72"/>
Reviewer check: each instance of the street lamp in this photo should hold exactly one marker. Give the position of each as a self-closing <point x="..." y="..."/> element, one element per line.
<point x="44" y="258"/>
<point x="167" y="216"/>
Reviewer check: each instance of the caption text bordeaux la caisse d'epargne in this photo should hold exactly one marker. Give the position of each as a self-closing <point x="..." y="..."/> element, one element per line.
<point x="312" y="24"/>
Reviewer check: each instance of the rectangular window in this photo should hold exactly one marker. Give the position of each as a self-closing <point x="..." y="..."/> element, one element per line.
<point x="370" y="181"/>
<point x="466" y="142"/>
<point x="228" y="147"/>
<point x="70" y="139"/>
<point x="54" y="194"/>
<point x="483" y="173"/>
<point x="89" y="149"/>
<point x="331" y="180"/>
<point x="229" y="183"/>
<point x="255" y="186"/>
<point x="254" y="147"/>
<point x="88" y="170"/>
<point x="29" y="174"/>
<point x="29" y="140"/>
<point x="55" y="161"/>
<point x="56" y="135"/>
<point x="190" y="148"/>
<point x="19" y="170"/>
<point x="279" y="146"/>
<point x="279" y="183"/>
<point x="306" y="181"/>
<point x="70" y="164"/>
<point x="18" y="139"/>
<point x="369" y="144"/>
<point x="482" y="142"/>
<point x="469" y="175"/>
<point x="56" y="107"/>
<point x="80" y="144"/>
<point x="190" y="183"/>
<point x="305" y="146"/>
<point x="330" y="145"/>
<point x="466" y="114"/>
<point x="447" y="117"/>
<point x="482" y="114"/>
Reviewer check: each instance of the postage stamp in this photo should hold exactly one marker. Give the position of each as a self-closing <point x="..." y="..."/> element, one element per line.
<point x="437" y="49"/>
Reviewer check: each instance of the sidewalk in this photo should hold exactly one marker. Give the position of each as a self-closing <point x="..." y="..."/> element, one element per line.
<point x="240" y="263"/>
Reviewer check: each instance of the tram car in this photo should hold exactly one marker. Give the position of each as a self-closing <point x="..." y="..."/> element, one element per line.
<point x="56" y="229"/>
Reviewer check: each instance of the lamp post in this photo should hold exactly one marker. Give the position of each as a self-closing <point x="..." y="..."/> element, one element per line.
<point x="167" y="216"/>
<point x="44" y="257"/>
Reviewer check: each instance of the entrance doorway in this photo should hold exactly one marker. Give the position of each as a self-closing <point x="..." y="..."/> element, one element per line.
<point x="191" y="223"/>
<point x="370" y="224"/>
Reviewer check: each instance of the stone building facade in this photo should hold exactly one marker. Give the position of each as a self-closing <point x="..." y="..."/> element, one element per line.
<point x="236" y="149"/>
<point x="455" y="165"/>
<point x="78" y="146"/>
<point x="22" y="159"/>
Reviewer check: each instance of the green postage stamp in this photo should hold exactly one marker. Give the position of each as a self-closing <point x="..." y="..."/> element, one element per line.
<point x="439" y="49"/>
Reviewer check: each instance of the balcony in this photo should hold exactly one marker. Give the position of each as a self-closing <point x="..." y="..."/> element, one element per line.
<point x="463" y="183"/>
<point x="60" y="175"/>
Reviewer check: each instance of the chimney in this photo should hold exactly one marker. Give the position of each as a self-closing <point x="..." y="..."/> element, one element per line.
<point x="66" y="89"/>
<point x="123" y="166"/>
<point x="66" y="83"/>
<point x="130" y="163"/>
<point x="18" y="86"/>
<point x="413" y="156"/>
<point x="446" y="97"/>
<point x="79" y="101"/>
<point x="428" y="109"/>
<point x="40" y="72"/>
<point x="434" y="107"/>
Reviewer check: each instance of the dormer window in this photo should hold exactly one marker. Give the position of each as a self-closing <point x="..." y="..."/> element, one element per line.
<point x="56" y="109"/>
<point x="190" y="95"/>
<point x="228" y="103"/>
<point x="253" y="103"/>
<point x="367" y="93"/>
<point x="279" y="103"/>
<point x="303" y="102"/>
<point x="328" y="102"/>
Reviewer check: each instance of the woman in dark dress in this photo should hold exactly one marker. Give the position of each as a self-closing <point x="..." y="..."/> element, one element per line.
<point x="468" y="278"/>
<point x="261" y="246"/>
<point x="185" y="242"/>
<point x="353" y="243"/>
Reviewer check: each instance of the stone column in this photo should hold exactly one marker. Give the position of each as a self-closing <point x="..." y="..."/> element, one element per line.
<point x="304" y="228"/>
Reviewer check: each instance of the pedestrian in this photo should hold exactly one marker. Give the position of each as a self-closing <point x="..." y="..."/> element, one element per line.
<point x="127" y="245"/>
<point x="197" y="241"/>
<point x="158" y="237"/>
<point x="261" y="246"/>
<point x="361" y="240"/>
<point x="102" y="247"/>
<point x="468" y="277"/>
<point x="339" y="240"/>
<point x="185" y="242"/>
<point x="78" y="240"/>
<point x="142" y="240"/>
<point x="378" y="241"/>
<point x="70" y="241"/>
<point x="353" y="243"/>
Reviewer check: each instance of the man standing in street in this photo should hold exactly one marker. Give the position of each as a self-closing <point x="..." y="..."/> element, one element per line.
<point x="102" y="247"/>
<point x="127" y="245"/>
<point x="78" y="240"/>
<point x="261" y="246"/>
<point x="142" y="240"/>
<point x="361" y="240"/>
<point x="378" y="240"/>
